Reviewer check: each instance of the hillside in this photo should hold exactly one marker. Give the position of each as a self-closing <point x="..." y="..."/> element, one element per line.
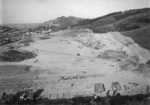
<point x="131" y="23"/>
<point x="96" y="23"/>
<point x="117" y="21"/>
<point x="140" y="36"/>
<point x="62" y="22"/>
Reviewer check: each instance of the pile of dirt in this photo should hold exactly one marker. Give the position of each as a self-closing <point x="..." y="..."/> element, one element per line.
<point x="16" y="56"/>
<point x="91" y="40"/>
<point x="144" y="69"/>
<point x="112" y="54"/>
<point x="72" y="32"/>
<point x="129" y="63"/>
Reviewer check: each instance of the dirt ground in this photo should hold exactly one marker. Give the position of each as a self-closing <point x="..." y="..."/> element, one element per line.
<point x="66" y="64"/>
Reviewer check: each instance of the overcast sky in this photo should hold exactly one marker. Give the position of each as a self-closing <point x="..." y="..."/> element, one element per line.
<point x="30" y="11"/>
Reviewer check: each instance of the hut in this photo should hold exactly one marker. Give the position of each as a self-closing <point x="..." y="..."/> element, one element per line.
<point x="37" y="94"/>
<point x="29" y="93"/>
<point x="116" y="85"/>
<point x="99" y="87"/>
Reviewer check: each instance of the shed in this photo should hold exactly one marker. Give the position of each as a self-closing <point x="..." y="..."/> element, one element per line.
<point x="116" y="85"/>
<point x="99" y="87"/>
<point x="29" y="93"/>
<point x="37" y="94"/>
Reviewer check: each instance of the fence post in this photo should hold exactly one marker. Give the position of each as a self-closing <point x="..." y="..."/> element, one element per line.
<point x="76" y="94"/>
<point x="50" y="96"/>
<point x="63" y="95"/>
<point x="69" y="94"/>
<point x="57" y="95"/>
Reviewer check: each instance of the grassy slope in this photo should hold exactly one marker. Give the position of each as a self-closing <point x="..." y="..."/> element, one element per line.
<point x="96" y="24"/>
<point x="93" y="24"/>
<point x="140" y="36"/>
<point x="130" y="23"/>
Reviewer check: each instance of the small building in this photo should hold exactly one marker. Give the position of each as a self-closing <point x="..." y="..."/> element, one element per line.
<point x="29" y="93"/>
<point x="99" y="87"/>
<point x="115" y="85"/>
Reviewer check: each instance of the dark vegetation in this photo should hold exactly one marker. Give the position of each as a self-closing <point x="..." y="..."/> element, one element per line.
<point x="140" y="36"/>
<point x="16" y="56"/>
<point x="139" y="99"/>
<point x="90" y="21"/>
<point x="129" y="23"/>
<point x="9" y="35"/>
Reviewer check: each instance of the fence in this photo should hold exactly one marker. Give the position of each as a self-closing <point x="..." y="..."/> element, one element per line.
<point x="69" y="95"/>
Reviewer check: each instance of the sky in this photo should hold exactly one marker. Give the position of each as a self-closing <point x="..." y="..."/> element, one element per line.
<point x="36" y="11"/>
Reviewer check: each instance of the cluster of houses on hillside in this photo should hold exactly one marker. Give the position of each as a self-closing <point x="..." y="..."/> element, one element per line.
<point x="8" y="35"/>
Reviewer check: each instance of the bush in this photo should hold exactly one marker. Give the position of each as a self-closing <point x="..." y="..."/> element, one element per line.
<point x="16" y="56"/>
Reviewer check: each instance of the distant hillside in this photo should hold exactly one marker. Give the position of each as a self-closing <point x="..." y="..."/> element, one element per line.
<point x="115" y="21"/>
<point x="129" y="23"/>
<point x="62" y="23"/>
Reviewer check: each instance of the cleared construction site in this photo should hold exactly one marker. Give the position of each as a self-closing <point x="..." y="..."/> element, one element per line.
<point x="81" y="64"/>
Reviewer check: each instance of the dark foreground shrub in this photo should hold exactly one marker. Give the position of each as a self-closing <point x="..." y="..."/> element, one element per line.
<point x="16" y="56"/>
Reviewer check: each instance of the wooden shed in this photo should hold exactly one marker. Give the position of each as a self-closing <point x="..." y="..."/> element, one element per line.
<point x="99" y="87"/>
<point x="116" y="85"/>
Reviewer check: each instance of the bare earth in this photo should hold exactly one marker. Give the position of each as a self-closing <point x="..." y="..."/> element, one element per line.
<point x="66" y="64"/>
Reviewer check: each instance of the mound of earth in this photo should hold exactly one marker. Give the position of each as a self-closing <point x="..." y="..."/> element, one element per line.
<point x="144" y="68"/>
<point x="72" y="32"/>
<point x="116" y="46"/>
<point x="129" y="63"/>
<point x="16" y="56"/>
<point x="111" y="54"/>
